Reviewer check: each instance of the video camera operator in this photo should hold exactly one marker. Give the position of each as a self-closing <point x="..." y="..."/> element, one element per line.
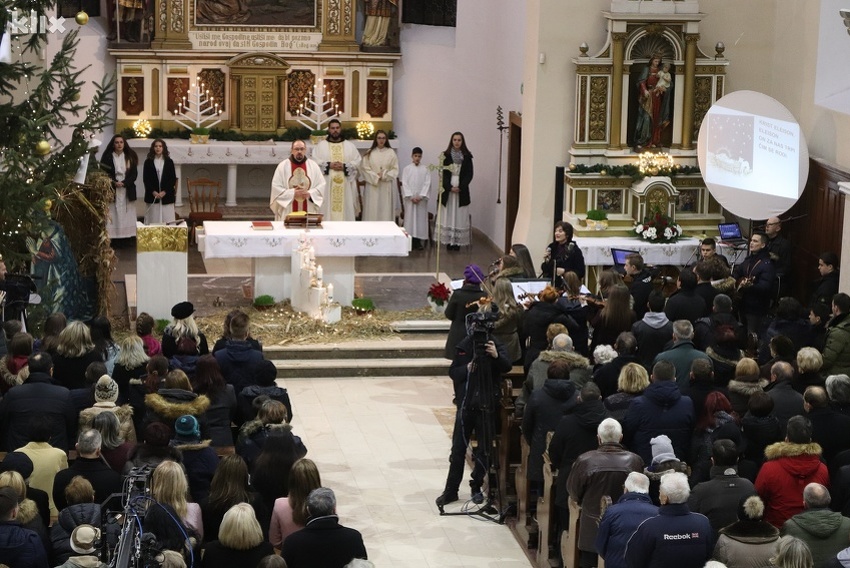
<point x="476" y="370"/>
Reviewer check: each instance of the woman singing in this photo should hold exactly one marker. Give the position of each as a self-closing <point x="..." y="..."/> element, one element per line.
<point x="454" y="218"/>
<point x="563" y="255"/>
<point x="160" y="180"/>
<point x="122" y="164"/>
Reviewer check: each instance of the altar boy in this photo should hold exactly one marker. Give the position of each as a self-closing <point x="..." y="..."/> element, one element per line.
<point x="416" y="187"/>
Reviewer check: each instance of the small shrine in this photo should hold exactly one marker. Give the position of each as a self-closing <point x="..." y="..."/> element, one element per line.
<point x="258" y="62"/>
<point x="640" y="101"/>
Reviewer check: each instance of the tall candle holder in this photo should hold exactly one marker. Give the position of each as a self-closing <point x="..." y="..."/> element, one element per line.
<point x="317" y="109"/>
<point x="197" y="109"/>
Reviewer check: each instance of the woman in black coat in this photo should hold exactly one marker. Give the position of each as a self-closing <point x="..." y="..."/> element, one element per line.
<point x="122" y="165"/>
<point x="160" y="179"/>
<point x="455" y="198"/>
<point x="563" y="255"/>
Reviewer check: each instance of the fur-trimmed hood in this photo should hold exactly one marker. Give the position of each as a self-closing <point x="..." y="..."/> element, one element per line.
<point x="253" y="426"/>
<point x="123" y="413"/>
<point x="27" y="511"/>
<point x="576" y="360"/>
<point x="655" y="472"/>
<point x="745" y="388"/>
<point x="513" y="271"/>
<point x="171" y="404"/>
<point x="12" y="379"/>
<point x="789" y="450"/>
<point x="751" y="532"/>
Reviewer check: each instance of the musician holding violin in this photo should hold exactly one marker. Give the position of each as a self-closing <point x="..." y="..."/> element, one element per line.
<point x="755" y="277"/>
<point x="563" y="254"/>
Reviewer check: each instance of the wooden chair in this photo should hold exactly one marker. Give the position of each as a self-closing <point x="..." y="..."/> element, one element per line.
<point x="204" y="197"/>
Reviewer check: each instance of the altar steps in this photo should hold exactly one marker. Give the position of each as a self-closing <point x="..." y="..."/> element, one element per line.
<point x="416" y="356"/>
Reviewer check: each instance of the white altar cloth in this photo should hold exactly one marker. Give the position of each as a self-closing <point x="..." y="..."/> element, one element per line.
<point x="597" y="250"/>
<point x="336" y="244"/>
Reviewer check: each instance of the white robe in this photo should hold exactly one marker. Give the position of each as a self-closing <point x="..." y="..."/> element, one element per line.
<point x="282" y="195"/>
<point x="345" y="205"/>
<point x="416" y="182"/>
<point x="379" y="195"/>
<point x="122" y="212"/>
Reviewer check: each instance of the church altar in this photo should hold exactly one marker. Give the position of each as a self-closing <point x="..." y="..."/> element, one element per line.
<point x="231" y="154"/>
<point x="597" y="250"/>
<point x="336" y="245"/>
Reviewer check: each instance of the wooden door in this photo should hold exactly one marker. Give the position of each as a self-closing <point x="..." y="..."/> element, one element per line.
<point x="257" y="104"/>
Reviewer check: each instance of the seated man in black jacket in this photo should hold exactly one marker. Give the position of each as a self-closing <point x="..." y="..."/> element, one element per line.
<point x="476" y="372"/>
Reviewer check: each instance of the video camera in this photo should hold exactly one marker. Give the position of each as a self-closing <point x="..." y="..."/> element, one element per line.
<point x="480" y="325"/>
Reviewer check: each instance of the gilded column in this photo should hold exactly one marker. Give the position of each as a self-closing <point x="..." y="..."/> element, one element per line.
<point x="338" y="17"/>
<point x="171" y="24"/>
<point x="617" y="89"/>
<point x="689" y="98"/>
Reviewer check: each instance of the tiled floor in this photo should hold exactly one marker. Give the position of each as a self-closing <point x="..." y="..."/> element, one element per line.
<point x="379" y="445"/>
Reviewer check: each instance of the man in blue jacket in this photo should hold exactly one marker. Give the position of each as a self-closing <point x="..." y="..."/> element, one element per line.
<point x="621" y="520"/>
<point x="675" y="538"/>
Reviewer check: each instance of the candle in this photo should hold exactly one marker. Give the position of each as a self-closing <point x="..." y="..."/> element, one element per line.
<point x="319" y="273"/>
<point x="330" y="292"/>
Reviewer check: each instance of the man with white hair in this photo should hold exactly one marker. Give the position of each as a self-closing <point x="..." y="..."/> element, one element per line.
<point x="622" y="519"/>
<point x="676" y="537"/>
<point x="682" y="354"/>
<point x="596" y="474"/>
<point x="577" y="369"/>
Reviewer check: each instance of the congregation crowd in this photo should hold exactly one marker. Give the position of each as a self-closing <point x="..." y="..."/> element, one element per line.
<point x="715" y="419"/>
<point x="226" y="482"/>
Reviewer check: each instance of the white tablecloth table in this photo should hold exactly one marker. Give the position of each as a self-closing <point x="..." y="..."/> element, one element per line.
<point x="336" y="245"/>
<point x="597" y="250"/>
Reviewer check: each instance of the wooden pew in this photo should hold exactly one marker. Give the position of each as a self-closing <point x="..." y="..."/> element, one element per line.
<point x="526" y="526"/>
<point x="569" y="541"/>
<point x="508" y="445"/>
<point x="546" y="515"/>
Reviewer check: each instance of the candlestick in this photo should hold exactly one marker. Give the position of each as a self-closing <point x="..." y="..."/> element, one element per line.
<point x="330" y="292"/>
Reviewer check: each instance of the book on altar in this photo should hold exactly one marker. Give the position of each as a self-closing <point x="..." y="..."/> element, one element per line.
<point x="262" y="225"/>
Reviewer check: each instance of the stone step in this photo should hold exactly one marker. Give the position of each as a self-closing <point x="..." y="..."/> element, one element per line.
<point x="391" y="349"/>
<point x="328" y="368"/>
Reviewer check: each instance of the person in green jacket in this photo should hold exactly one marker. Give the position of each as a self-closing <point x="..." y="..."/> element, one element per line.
<point x="836" y="351"/>
<point x="824" y="531"/>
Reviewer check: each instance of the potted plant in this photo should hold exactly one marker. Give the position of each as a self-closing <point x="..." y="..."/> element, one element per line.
<point x="362" y="305"/>
<point x="200" y="135"/>
<point x="597" y="219"/>
<point x="264" y="302"/>
<point x="317" y="135"/>
<point x="438" y="296"/>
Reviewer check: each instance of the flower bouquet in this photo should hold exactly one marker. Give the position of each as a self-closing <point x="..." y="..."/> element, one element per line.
<point x="658" y="228"/>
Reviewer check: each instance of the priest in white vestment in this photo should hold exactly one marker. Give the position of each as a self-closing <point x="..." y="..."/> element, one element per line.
<point x="339" y="160"/>
<point x="379" y="169"/>
<point x="297" y="185"/>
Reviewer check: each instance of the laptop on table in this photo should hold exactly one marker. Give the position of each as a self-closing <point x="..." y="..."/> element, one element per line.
<point x="730" y="234"/>
<point x="619" y="257"/>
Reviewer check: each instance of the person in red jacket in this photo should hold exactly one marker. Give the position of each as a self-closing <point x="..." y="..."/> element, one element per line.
<point x="789" y="467"/>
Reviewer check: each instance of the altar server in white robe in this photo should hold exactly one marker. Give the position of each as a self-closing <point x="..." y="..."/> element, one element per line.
<point x="416" y="189"/>
<point x="339" y="161"/>
<point x="379" y="169"/>
<point x="297" y="185"/>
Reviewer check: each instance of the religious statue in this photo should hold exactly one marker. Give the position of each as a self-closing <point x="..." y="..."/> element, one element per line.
<point x="655" y="94"/>
<point x="378" y="16"/>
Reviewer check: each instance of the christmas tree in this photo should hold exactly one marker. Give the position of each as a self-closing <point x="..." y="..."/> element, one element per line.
<point x="38" y="105"/>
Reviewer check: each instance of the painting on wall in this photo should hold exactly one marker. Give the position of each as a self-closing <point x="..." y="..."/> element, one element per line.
<point x="283" y="13"/>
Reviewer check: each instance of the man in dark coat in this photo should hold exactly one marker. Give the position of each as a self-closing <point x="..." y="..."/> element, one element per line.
<point x="719" y="498"/>
<point x="827" y="286"/>
<point x="830" y="429"/>
<point x="606" y="376"/>
<point x="597" y="474"/>
<point x="786" y="401"/>
<point x="622" y="519"/>
<point x="824" y="531"/>
<point x="19" y="547"/>
<point x="685" y="304"/>
<point x="90" y="465"/>
<point x="755" y="277"/>
<point x="323" y="541"/>
<point x="704" y="288"/>
<point x="676" y="538"/>
<point x="641" y="282"/>
<point x="471" y="385"/>
<point x="661" y="409"/>
<point x="721" y="327"/>
<point x="265" y="374"/>
<point x="653" y="332"/>
<point x="682" y="353"/>
<point x="37" y="395"/>
<point x="239" y="358"/>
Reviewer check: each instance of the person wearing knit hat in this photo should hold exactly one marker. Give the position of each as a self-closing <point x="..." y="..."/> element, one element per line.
<point x="18" y="546"/>
<point x="663" y="461"/>
<point x="199" y="457"/>
<point x="750" y="541"/>
<point x="105" y="396"/>
<point x="662" y="449"/>
<point x="457" y="310"/>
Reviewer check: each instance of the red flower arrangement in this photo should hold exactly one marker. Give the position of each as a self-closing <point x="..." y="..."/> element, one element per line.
<point x="439" y="293"/>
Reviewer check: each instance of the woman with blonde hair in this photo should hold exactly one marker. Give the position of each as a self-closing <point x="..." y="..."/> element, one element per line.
<point x="290" y="512"/>
<point x="170" y="514"/>
<point x="792" y="552"/>
<point x="240" y="540"/>
<point x="809" y="363"/>
<point x="509" y="323"/>
<point x="631" y="383"/>
<point x="230" y="486"/>
<point x="130" y="364"/>
<point x="74" y="353"/>
<point x="81" y="510"/>
<point x="28" y="515"/>
<point x="182" y="336"/>
<point x="744" y="384"/>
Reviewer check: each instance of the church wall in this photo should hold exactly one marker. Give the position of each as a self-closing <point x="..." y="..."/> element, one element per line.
<point x="452" y="79"/>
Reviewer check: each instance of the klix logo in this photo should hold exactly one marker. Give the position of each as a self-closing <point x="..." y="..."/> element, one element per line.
<point x="21" y="23"/>
<point x="684" y="536"/>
